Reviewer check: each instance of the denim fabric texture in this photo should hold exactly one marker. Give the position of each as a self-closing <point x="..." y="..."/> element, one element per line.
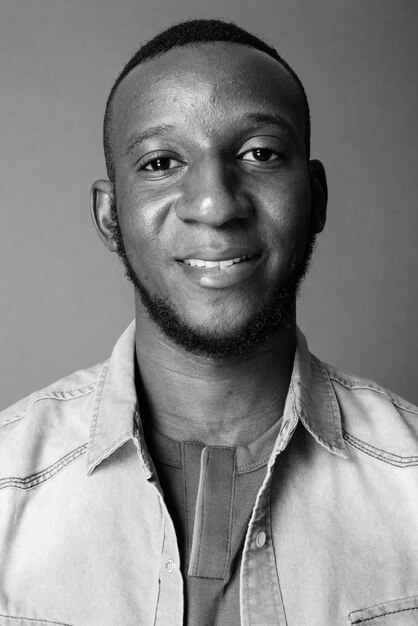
<point x="86" y="539"/>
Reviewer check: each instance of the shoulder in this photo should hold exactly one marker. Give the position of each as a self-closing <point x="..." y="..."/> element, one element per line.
<point x="55" y="419"/>
<point x="375" y="419"/>
<point x="45" y="432"/>
<point x="69" y="389"/>
<point x="366" y="393"/>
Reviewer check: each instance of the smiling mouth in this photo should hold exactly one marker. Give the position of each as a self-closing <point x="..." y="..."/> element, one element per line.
<point x="219" y="265"/>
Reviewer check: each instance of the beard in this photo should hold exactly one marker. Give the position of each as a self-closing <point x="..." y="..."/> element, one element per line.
<point x="274" y="315"/>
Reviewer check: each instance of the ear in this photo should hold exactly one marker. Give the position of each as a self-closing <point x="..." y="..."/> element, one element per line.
<point x="319" y="195"/>
<point x="101" y="196"/>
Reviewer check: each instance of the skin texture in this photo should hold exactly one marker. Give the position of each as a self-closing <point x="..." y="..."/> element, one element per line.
<point x="218" y="180"/>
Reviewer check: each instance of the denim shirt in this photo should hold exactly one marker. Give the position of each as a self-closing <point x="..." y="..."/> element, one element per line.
<point x="86" y="539"/>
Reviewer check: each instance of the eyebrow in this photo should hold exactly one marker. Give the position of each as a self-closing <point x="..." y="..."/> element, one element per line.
<point x="149" y="133"/>
<point x="272" y="119"/>
<point x="259" y="119"/>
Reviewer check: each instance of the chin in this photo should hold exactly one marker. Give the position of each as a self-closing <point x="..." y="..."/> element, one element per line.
<point x="220" y="339"/>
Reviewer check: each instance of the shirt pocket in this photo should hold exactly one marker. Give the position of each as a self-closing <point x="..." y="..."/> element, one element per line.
<point x="403" y="612"/>
<point x="11" y="620"/>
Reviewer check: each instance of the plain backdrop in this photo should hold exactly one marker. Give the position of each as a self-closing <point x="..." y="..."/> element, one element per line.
<point x="64" y="299"/>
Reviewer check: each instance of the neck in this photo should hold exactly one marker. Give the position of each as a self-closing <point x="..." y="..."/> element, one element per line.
<point x="227" y="401"/>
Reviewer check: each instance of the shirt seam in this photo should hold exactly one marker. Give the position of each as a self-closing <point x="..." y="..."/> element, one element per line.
<point x="380" y="391"/>
<point x="326" y="378"/>
<point x="383" y="455"/>
<point x="104" y="454"/>
<point x="167" y="461"/>
<point x="34" y="619"/>
<point x="75" y="393"/>
<point x="252" y="465"/>
<point x="202" y="521"/>
<point x="368" y="619"/>
<point x="241" y="469"/>
<point x="231" y="519"/>
<point x="269" y="549"/>
<point x="96" y="408"/>
<point x="34" y="480"/>
<point x="186" y="508"/>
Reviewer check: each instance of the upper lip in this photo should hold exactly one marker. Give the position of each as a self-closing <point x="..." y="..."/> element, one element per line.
<point x="209" y="254"/>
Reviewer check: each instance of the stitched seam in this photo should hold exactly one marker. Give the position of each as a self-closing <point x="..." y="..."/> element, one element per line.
<point x="326" y="378"/>
<point x="202" y="524"/>
<point x="167" y="461"/>
<point x="40" y="477"/>
<point x="157" y="604"/>
<point x="231" y="518"/>
<point x="214" y="579"/>
<point x="247" y="579"/>
<point x="97" y="403"/>
<point x="254" y="464"/>
<point x="75" y="393"/>
<point x="186" y="508"/>
<point x="331" y="399"/>
<point x="391" y="454"/>
<point x="327" y="445"/>
<point x="70" y="393"/>
<point x="380" y="391"/>
<point x="272" y="567"/>
<point x="361" y="621"/>
<point x="197" y="443"/>
<point x="32" y="619"/>
<point x="104" y="454"/>
<point x="386" y="457"/>
<point x="246" y="567"/>
<point x="304" y="417"/>
<point x="13" y="418"/>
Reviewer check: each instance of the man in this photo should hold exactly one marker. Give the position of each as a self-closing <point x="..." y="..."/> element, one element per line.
<point x="212" y="471"/>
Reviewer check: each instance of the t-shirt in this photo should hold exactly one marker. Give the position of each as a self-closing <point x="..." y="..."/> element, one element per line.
<point x="210" y="492"/>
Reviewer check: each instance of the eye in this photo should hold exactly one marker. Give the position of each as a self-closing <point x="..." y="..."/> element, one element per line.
<point x="261" y="155"/>
<point x="160" y="164"/>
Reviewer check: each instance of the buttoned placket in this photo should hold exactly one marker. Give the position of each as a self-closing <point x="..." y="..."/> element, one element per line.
<point x="170" y="604"/>
<point x="260" y="594"/>
<point x="169" y="609"/>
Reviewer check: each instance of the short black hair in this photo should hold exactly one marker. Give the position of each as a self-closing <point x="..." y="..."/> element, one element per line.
<point x="183" y="34"/>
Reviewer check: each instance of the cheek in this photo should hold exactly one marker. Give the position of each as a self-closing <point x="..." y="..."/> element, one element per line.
<point x="139" y="244"/>
<point x="287" y="223"/>
<point x="141" y="225"/>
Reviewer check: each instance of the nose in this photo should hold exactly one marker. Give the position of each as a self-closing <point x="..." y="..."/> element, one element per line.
<point x="211" y="194"/>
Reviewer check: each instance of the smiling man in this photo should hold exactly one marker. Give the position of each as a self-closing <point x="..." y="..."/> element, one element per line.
<point x="212" y="471"/>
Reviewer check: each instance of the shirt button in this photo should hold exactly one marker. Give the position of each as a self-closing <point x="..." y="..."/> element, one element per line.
<point x="260" y="540"/>
<point x="170" y="566"/>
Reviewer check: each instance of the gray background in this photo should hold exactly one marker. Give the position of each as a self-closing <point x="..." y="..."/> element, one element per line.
<point x="64" y="299"/>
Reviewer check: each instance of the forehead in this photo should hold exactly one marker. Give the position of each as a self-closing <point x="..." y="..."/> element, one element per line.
<point x="211" y="83"/>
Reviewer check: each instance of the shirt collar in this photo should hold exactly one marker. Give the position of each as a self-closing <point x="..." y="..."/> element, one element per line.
<point x="314" y="400"/>
<point x="311" y="398"/>
<point x="115" y="405"/>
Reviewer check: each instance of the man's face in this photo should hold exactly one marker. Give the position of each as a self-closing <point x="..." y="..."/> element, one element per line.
<point x="212" y="184"/>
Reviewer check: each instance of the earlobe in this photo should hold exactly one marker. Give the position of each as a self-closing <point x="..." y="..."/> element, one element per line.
<point x="319" y="195"/>
<point x="101" y="197"/>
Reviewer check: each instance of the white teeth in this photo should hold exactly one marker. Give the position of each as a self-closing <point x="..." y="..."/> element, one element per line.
<point x="215" y="264"/>
<point x="226" y="263"/>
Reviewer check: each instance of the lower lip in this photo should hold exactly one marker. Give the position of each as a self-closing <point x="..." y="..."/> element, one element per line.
<point x="214" y="278"/>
